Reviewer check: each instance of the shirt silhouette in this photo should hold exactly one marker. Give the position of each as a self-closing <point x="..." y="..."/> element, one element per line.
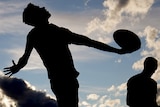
<point x="51" y="42"/>
<point x="141" y="88"/>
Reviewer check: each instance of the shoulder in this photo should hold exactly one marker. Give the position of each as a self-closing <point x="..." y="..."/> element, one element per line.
<point x="60" y="29"/>
<point x="32" y="31"/>
<point x="31" y="34"/>
<point x="134" y="79"/>
<point x="53" y="26"/>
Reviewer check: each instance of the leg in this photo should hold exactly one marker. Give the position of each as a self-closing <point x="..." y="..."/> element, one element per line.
<point x="66" y="92"/>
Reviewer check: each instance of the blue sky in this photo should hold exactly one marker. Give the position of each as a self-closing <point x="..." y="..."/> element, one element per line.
<point x="103" y="75"/>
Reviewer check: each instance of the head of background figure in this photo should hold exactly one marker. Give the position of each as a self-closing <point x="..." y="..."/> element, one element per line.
<point x="150" y="65"/>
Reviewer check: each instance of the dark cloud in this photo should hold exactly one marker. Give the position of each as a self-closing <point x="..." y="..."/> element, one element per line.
<point x="23" y="95"/>
<point x="122" y="3"/>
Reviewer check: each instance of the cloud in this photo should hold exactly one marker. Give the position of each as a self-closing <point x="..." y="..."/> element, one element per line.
<point x="86" y="104"/>
<point x="150" y="35"/>
<point x="6" y="101"/>
<point x="121" y="87"/>
<point x="138" y="65"/>
<point x="103" y="101"/>
<point x="112" y="88"/>
<point x="111" y="97"/>
<point x="19" y="94"/>
<point x="117" y="91"/>
<point x="92" y="97"/>
<point x="111" y="103"/>
<point x="117" y="10"/>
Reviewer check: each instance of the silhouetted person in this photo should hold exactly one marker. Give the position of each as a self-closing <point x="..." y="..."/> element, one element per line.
<point x="141" y="88"/>
<point x="51" y="42"/>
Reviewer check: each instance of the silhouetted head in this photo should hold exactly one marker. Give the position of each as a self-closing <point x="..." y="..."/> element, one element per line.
<point x="35" y="16"/>
<point x="150" y="65"/>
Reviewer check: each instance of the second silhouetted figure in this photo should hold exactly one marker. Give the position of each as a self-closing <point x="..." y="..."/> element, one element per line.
<point x="141" y="88"/>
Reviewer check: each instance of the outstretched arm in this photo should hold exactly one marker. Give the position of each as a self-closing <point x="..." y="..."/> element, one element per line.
<point x="83" y="40"/>
<point x="22" y="61"/>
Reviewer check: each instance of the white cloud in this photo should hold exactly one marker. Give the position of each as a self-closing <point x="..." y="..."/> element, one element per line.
<point x="103" y="101"/>
<point x="138" y="65"/>
<point x="151" y="36"/>
<point x="112" y="88"/>
<point x="6" y="101"/>
<point x="111" y="103"/>
<point x="110" y="98"/>
<point x="116" y="10"/>
<point x="92" y="97"/>
<point x="84" y="103"/>
<point x="117" y="91"/>
<point x="122" y="87"/>
<point x="135" y="7"/>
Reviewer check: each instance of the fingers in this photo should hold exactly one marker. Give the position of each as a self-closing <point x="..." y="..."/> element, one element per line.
<point x="8" y="73"/>
<point x="8" y="70"/>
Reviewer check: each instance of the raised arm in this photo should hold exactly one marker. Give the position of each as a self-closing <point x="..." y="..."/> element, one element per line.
<point x="22" y="61"/>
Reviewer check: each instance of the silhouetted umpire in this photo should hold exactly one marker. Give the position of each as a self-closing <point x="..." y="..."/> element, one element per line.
<point x="141" y="88"/>
<point x="51" y="42"/>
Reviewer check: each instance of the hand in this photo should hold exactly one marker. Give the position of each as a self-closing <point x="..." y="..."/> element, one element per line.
<point x="11" y="70"/>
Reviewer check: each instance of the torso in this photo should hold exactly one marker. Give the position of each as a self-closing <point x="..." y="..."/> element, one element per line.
<point x="51" y="43"/>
